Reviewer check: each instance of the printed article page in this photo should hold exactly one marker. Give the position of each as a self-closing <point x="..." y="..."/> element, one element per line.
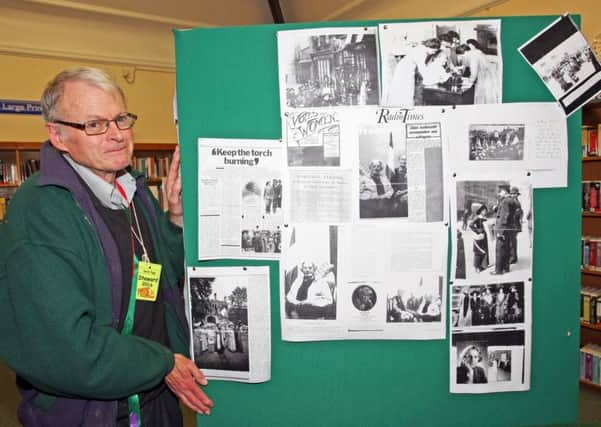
<point x="239" y="198"/>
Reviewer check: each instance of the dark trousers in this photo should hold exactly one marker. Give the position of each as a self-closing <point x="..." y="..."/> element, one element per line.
<point x="162" y="411"/>
<point x="503" y="248"/>
<point x="513" y="250"/>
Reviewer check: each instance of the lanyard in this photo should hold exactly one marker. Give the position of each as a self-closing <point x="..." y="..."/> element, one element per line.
<point x="133" y="401"/>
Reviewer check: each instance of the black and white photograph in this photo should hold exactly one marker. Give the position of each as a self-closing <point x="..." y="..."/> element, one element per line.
<point x="309" y="262"/>
<point x="312" y="138"/>
<point x="499" y="364"/>
<point x="382" y="173"/>
<point x="261" y="240"/>
<point x="441" y="63"/>
<point x="497" y="141"/>
<point x="565" y="62"/>
<point x="272" y="196"/>
<point x="489" y="362"/>
<point x="494" y="227"/>
<point x="364" y="297"/>
<point x="410" y="302"/>
<point x="220" y="322"/>
<point x="328" y="67"/>
<point x="487" y="305"/>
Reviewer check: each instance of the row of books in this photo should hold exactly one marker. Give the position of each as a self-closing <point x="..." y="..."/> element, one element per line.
<point x="152" y="166"/>
<point x="591" y="253"/>
<point x="8" y="172"/>
<point x="590" y="357"/>
<point x="590" y="141"/>
<point x="591" y="196"/>
<point x="590" y="305"/>
<point x="160" y="193"/>
<point x="29" y="167"/>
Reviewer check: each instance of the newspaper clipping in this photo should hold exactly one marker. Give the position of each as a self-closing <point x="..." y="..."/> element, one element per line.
<point x="363" y="282"/>
<point x="239" y="198"/>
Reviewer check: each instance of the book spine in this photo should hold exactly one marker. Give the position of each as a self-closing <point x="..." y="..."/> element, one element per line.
<point x="594" y="142"/>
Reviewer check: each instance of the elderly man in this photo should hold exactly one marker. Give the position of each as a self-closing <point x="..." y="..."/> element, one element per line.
<point x="92" y="320"/>
<point x="375" y="192"/>
<point x="311" y="295"/>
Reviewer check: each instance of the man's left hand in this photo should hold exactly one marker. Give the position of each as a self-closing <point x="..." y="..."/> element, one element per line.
<point x="185" y="380"/>
<point x="174" y="190"/>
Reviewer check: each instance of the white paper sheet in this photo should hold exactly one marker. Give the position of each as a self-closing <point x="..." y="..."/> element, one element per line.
<point x="360" y="282"/>
<point x="239" y="198"/>
<point x="230" y="322"/>
<point x="528" y="138"/>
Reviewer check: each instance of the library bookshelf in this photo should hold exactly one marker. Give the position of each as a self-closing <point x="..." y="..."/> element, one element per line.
<point x="18" y="160"/>
<point x="590" y="324"/>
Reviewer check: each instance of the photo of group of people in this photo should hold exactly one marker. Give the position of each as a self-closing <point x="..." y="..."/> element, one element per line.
<point x="261" y="240"/>
<point x="383" y="189"/>
<point x="327" y="68"/>
<point x="494" y="228"/>
<point x="455" y="63"/>
<point x="219" y="323"/>
<point x="415" y="303"/>
<point x="490" y="304"/>
<point x="496" y="142"/>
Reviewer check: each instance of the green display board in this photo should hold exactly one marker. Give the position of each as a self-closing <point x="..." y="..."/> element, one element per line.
<point x="227" y="87"/>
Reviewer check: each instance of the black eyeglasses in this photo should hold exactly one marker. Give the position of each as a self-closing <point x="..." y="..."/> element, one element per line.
<point x="99" y="126"/>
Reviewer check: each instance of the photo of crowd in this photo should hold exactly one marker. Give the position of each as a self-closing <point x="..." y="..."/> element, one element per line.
<point x="220" y="323"/>
<point x="329" y="69"/>
<point x="382" y="185"/>
<point x="567" y="66"/>
<point x="492" y="220"/>
<point x="456" y="64"/>
<point x="497" y="142"/>
<point x="415" y="303"/>
<point x="491" y="304"/>
<point x="261" y="240"/>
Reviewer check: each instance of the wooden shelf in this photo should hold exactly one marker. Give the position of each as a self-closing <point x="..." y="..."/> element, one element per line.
<point x="595" y="326"/>
<point x="593" y="214"/>
<point x="590" y="384"/>
<point x="8" y="185"/>
<point x="592" y="159"/>
<point x="593" y="272"/>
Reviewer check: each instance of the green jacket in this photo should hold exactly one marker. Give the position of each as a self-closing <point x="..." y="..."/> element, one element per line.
<point x="60" y="296"/>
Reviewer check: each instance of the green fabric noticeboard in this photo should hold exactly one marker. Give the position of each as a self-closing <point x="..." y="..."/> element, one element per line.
<point x="227" y="87"/>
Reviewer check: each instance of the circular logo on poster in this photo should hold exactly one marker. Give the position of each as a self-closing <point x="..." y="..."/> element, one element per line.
<point x="364" y="298"/>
